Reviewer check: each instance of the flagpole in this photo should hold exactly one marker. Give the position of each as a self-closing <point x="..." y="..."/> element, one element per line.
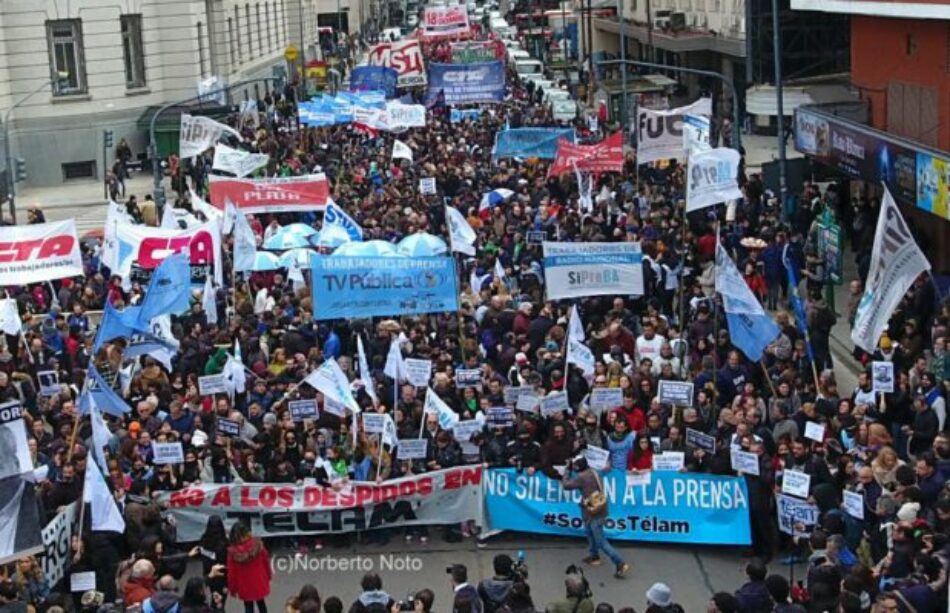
<point x="715" y="355"/>
<point x="72" y="436"/>
<point x="765" y="372"/>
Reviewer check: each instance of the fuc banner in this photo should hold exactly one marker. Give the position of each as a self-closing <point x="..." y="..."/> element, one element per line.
<point x="665" y="506"/>
<point x="383" y="286"/>
<point x="573" y="270"/>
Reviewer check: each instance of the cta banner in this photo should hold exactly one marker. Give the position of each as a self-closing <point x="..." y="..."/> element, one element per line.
<point x="573" y="270"/>
<point x="660" y="133"/>
<point x="605" y="156"/>
<point x="39" y="252"/>
<point x="383" y="286"/>
<point x="530" y="142"/>
<point x="447" y="496"/>
<point x="467" y="83"/>
<point x="659" y="506"/>
<point x="443" y="20"/>
<point x="405" y="57"/>
<point x="271" y="195"/>
<point x="140" y="249"/>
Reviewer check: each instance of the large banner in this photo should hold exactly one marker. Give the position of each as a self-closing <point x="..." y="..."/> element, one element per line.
<point x="448" y="496"/>
<point x="467" y="83"/>
<point x="197" y="134"/>
<point x="20" y="527"/>
<point x="403" y="116"/>
<point x="530" y="142"/>
<point x="403" y="56"/>
<point x="573" y="270"/>
<point x="662" y="506"/>
<point x="383" y="286"/>
<point x="140" y="249"/>
<point x="605" y="156"/>
<point x="57" y="543"/>
<point x="443" y="20"/>
<point x="713" y="178"/>
<point x="374" y="78"/>
<point x="272" y="195"/>
<point x="39" y="252"/>
<point x="660" y="133"/>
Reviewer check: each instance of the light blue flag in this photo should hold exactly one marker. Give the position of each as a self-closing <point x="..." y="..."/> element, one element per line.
<point x="750" y="327"/>
<point x="169" y="290"/>
<point x="334" y="215"/>
<point x="795" y="301"/>
<point x="116" y="324"/>
<point x="101" y="393"/>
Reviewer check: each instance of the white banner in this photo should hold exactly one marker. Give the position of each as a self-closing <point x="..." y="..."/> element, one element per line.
<point x="574" y="270"/>
<point x="146" y="247"/>
<point x="660" y="133"/>
<point x="695" y="133"/>
<point x="403" y="56"/>
<point x="198" y="134"/>
<point x="57" y="543"/>
<point x="237" y="162"/>
<point x="712" y="177"/>
<point x="896" y="261"/>
<point x="401" y="151"/>
<point x="449" y="496"/>
<point x="402" y="116"/>
<point x="39" y="252"/>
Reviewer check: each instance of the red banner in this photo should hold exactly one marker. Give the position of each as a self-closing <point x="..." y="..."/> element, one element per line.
<point x="440" y="20"/>
<point x="283" y="194"/>
<point x="605" y="156"/>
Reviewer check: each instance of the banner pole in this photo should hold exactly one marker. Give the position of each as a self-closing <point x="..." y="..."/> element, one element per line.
<point x="767" y="377"/>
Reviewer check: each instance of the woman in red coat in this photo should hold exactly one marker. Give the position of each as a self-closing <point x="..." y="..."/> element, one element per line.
<point x="249" y="572"/>
<point x="641" y="456"/>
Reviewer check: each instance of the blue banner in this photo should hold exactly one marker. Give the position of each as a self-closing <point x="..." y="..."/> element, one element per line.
<point x="460" y="115"/>
<point x="380" y="78"/>
<point x="345" y="287"/>
<point x="672" y="507"/>
<point x="467" y="83"/>
<point x="530" y="142"/>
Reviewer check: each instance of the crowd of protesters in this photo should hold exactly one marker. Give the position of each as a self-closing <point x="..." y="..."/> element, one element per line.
<point x="893" y="449"/>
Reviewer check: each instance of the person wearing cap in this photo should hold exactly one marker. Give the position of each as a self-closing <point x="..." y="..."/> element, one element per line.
<point x="660" y="599"/>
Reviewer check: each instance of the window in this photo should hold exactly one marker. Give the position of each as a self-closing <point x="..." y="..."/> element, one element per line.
<point x="132" y="51"/>
<point x="79" y="170"/>
<point x="231" y="54"/>
<point x="247" y="28"/>
<point x="66" y="63"/>
<point x="201" y="49"/>
<point x="237" y="29"/>
<point x="267" y="21"/>
<point x="260" y="31"/>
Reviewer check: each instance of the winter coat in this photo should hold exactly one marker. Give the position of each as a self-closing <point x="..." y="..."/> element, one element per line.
<point x="249" y="571"/>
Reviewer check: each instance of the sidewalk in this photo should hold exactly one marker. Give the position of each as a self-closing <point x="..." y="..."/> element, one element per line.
<point x="78" y="194"/>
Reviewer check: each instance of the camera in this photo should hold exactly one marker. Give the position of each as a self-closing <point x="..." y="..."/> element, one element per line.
<point x="519" y="570"/>
<point x="409" y="602"/>
<point x="573" y="569"/>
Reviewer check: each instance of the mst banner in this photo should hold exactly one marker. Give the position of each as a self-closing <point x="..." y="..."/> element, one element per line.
<point x="39" y="252"/>
<point x="467" y="83"/>
<point x="271" y="195"/>
<point x="447" y="496"/>
<point x="142" y="248"/>
<point x="405" y="57"/>
<point x="669" y="507"/>
<point x="383" y="286"/>
<point x="572" y="270"/>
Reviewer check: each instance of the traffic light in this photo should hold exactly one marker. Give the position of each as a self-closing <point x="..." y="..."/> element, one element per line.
<point x="107" y="138"/>
<point x="20" y="166"/>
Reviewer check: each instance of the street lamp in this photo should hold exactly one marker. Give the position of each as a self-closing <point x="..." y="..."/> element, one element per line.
<point x="779" y="107"/>
<point x="11" y="179"/>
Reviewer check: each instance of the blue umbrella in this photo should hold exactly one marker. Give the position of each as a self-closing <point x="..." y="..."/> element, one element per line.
<point x="422" y="244"/>
<point x="299" y="228"/>
<point x="332" y="237"/>
<point x="299" y="256"/>
<point x="283" y="239"/>
<point x="265" y="261"/>
<point x="368" y="248"/>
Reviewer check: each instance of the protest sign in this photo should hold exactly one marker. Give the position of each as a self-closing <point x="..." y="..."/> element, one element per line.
<point x="427" y="186"/>
<point x="882" y="377"/>
<point x="197" y="134"/>
<point x="213" y="384"/>
<point x="536" y="237"/>
<point x="530" y="142"/>
<point x="700" y="440"/>
<point x="500" y="417"/>
<point x="676" y="393"/>
<point x="513" y="392"/>
<point x="303" y="409"/>
<point x="576" y="270"/>
<point x="605" y="156"/>
<point x="465" y="430"/>
<point x="141" y="249"/>
<point x="228" y="428"/>
<point x="418" y="372"/>
<point x="412" y="449"/>
<point x="597" y="458"/>
<point x="795" y="517"/>
<point x="528" y="403"/>
<point x="334" y="407"/>
<point x="82" y="582"/>
<point x="49" y="382"/>
<point x="744" y="462"/>
<point x="39" y="252"/>
<point x="444" y="20"/>
<point x="554" y="403"/>
<point x="272" y="194"/>
<point x="57" y="544"/>
<point x="854" y="504"/>
<point x="167" y="453"/>
<point x="468" y="377"/>
<point x="669" y="460"/>
<point x="403" y="56"/>
<point x="814" y="431"/>
<point x="796" y="483"/>
<point x="605" y="399"/>
<point x="374" y="423"/>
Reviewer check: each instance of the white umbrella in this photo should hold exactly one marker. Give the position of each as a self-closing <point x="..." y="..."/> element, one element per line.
<point x="368" y="248"/>
<point x="300" y="257"/>
<point x="422" y="244"/>
<point x="265" y="261"/>
<point x="332" y="237"/>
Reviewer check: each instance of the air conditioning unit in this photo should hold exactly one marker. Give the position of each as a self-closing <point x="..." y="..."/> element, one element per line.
<point x="661" y="23"/>
<point x="678" y="21"/>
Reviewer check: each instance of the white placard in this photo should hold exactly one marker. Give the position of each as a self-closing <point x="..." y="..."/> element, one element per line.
<point x="605" y="399"/>
<point x="712" y="178"/>
<point x="82" y="582"/>
<point x="796" y="483"/>
<point x="854" y="504"/>
<point x="528" y="403"/>
<point x="427" y="186"/>
<point x="554" y="403"/>
<point x="412" y="449"/>
<point x="512" y="393"/>
<point x="815" y="431"/>
<point x="597" y="458"/>
<point x="669" y="460"/>
<point x="882" y="377"/>
<point x="374" y="423"/>
<point x="49" y="382"/>
<point x="167" y="453"/>
<point x="213" y="384"/>
<point x="418" y="372"/>
<point x="640" y="477"/>
<point x="464" y="430"/>
<point x="744" y="462"/>
<point x="700" y="440"/>
<point x="333" y="407"/>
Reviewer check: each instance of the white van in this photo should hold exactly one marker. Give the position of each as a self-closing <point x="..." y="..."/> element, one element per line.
<point x="529" y="67"/>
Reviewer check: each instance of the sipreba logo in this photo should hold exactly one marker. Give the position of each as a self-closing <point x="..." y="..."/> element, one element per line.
<point x="155" y="249"/>
<point x="39" y="248"/>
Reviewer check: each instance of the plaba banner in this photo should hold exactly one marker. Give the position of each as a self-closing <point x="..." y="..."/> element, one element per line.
<point x="573" y="270"/>
<point x="272" y="195"/>
<point x="383" y="286"/>
<point x="39" y="252"/>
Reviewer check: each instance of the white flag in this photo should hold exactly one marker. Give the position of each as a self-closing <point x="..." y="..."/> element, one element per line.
<point x="499" y="269"/>
<point x="579" y="355"/>
<point x="208" y="303"/>
<point x="475" y="281"/>
<point x="206" y="208"/>
<point x="389" y="436"/>
<point x="331" y="381"/>
<point x="896" y="261"/>
<point x="115" y="215"/>
<point x="10" y="322"/>
<point x="234" y="371"/>
<point x="395" y="365"/>
<point x="105" y="513"/>
<point x="712" y="177"/>
<point x="433" y="404"/>
<point x="401" y="150"/>
<point x="575" y="327"/>
<point x="461" y="234"/>
<point x="237" y="162"/>
<point x="245" y="243"/>
<point x="585" y="190"/>
<point x="365" y="375"/>
<point x="169" y="220"/>
<point x="100" y="433"/>
<point x="199" y="134"/>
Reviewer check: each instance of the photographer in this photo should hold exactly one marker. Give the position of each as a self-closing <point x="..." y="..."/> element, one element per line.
<point x="594" y="512"/>
<point x="466" y="596"/>
<point x="495" y="591"/>
<point x="421" y="602"/>
<point x="578" y="597"/>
